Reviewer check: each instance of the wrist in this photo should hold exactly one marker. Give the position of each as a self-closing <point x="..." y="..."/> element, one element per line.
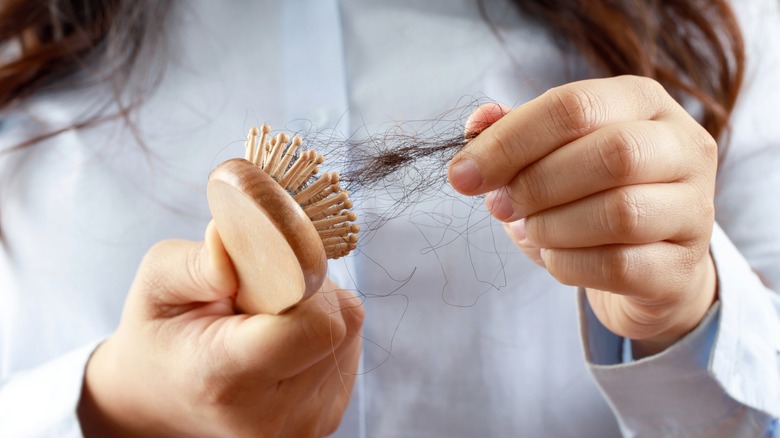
<point x="91" y="409"/>
<point x="104" y="409"/>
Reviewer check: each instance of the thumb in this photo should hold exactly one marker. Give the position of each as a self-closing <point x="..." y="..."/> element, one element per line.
<point x="179" y="272"/>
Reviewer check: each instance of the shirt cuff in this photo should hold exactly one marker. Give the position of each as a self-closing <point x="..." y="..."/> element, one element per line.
<point x="746" y="356"/>
<point x="721" y="377"/>
<point x="42" y="402"/>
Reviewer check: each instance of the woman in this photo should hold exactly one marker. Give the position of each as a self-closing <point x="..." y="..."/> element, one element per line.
<point x="463" y="338"/>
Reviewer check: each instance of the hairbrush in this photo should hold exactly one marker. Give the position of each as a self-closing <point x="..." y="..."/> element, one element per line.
<point x="279" y="220"/>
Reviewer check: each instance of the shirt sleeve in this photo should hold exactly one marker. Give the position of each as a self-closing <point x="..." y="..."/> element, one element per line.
<point x="42" y="402"/>
<point x="722" y="379"/>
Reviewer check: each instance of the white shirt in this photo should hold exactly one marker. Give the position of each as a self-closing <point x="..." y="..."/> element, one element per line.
<point x="464" y="336"/>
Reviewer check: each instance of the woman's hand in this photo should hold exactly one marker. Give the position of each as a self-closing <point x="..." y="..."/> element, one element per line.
<point x="609" y="184"/>
<point x="182" y="363"/>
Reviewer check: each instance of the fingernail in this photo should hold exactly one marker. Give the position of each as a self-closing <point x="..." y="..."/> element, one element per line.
<point x="464" y="175"/>
<point x="518" y="230"/>
<point x="499" y="204"/>
<point x="483" y="117"/>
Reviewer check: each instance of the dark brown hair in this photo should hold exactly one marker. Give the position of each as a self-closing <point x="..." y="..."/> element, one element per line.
<point x="47" y="44"/>
<point x="693" y="47"/>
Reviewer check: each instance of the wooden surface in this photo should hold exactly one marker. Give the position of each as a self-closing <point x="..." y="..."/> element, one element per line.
<point x="278" y="255"/>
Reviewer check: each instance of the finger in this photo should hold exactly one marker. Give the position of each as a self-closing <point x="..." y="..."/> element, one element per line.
<point x="325" y="395"/>
<point x="631" y="215"/>
<point x="338" y="359"/>
<point x="635" y="270"/>
<point x="332" y="378"/>
<point x="333" y="365"/>
<point x="179" y="272"/>
<point x="483" y="117"/>
<point x="282" y="346"/>
<point x="550" y="121"/>
<point x="516" y="231"/>
<point x="338" y="387"/>
<point x="618" y="155"/>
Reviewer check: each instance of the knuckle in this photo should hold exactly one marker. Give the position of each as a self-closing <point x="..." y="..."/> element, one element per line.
<point x="538" y="230"/>
<point x="706" y="145"/>
<point x="559" y="266"/>
<point x="530" y="192"/>
<point x="150" y="274"/>
<point x="648" y="85"/>
<point x="154" y="255"/>
<point x="704" y="209"/>
<point x="504" y="150"/>
<point x="158" y="249"/>
<point x="707" y="212"/>
<point x="650" y="91"/>
<point x="622" y="156"/>
<point x="686" y="260"/>
<point x="354" y="315"/>
<point x="322" y="331"/>
<point x="576" y="107"/>
<point x="625" y="214"/>
<point x="617" y="267"/>
<point x="698" y="216"/>
<point x="535" y="186"/>
<point x="689" y="257"/>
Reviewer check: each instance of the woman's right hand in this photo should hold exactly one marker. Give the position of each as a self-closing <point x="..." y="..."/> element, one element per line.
<point x="182" y="363"/>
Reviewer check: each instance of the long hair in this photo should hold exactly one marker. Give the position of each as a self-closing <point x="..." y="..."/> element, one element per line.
<point x="693" y="47"/>
<point x="50" y="44"/>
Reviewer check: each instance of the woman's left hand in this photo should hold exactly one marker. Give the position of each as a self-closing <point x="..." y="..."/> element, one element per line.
<point x="609" y="184"/>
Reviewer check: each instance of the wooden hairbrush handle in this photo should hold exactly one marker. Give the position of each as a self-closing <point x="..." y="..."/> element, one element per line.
<point x="276" y="250"/>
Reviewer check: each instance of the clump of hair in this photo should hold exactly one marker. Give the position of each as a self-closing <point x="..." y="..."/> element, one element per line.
<point x="406" y="162"/>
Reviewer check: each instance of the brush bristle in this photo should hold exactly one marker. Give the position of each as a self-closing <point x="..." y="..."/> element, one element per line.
<point x="322" y="199"/>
